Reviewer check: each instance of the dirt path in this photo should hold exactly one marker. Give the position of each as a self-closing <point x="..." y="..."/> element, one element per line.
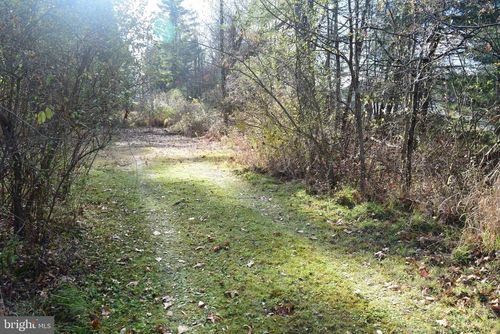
<point x="205" y="248"/>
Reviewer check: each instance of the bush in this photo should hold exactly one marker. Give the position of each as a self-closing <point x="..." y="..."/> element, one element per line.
<point x="49" y="132"/>
<point x="178" y="114"/>
<point x="194" y="119"/>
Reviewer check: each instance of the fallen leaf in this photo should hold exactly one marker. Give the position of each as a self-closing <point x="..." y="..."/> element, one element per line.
<point x="105" y="312"/>
<point x="182" y="329"/>
<point x="495" y="306"/>
<point x="284" y="309"/>
<point x="430" y="299"/>
<point x="161" y="330"/>
<point x="95" y="324"/>
<point x="423" y="272"/>
<point x="180" y="201"/>
<point x="394" y="287"/>
<point x="224" y="245"/>
<point x="443" y="322"/>
<point x="213" y="318"/>
<point x="167" y="298"/>
<point x="231" y="293"/>
<point x="380" y="255"/>
<point x="199" y="266"/>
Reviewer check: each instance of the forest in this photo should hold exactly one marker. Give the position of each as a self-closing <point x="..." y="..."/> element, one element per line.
<point x="250" y="166"/>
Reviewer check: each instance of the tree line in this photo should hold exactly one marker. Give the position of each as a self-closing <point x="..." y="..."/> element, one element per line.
<point x="395" y="98"/>
<point x="398" y="98"/>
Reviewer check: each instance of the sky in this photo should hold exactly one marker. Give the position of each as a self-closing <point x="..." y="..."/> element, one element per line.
<point x="202" y="8"/>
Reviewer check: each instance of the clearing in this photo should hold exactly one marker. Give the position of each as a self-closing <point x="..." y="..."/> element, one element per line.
<point x="184" y="240"/>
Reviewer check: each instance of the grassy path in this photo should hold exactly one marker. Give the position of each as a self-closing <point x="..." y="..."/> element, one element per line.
<point x="181" y="241"/>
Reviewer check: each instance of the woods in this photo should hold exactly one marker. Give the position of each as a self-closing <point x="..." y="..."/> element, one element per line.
<point x="385" y="107"/>
<point x="396" y="98"/>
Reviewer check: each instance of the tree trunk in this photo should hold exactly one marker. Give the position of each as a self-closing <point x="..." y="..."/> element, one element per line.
<point x="223" y="70"/>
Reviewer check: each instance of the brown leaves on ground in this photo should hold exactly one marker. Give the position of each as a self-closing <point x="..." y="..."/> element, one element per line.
<point x="495" y="306"/>
<point x="424" y="272"/>
<point x="95" y="324"/>
<point x="218" y="248"/>
<point x="182" y="329"/>
<point x="231" y="294"/>
<point x="443" y="322"/>
<point x="213" y="318"/>
<point x="167" y="301"/>
<point x="284" y="309"/>
<point x="161" y="329"/>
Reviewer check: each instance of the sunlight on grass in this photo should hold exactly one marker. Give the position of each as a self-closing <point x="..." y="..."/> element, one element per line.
<point x="255" y="252"/>
<point x="242" y="210"/>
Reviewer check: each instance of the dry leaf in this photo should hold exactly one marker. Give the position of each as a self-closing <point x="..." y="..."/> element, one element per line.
<point x="380" y="255"/>
<point x="224" y="245"/>
<point x="213" y="318"/>
<point x="443" y="322"/>
<point x="423" y="272"/>
<point x="231" y="293"/>
<point x="95" y="324"/>
<point x="182" y="329"/>
<point x="199" y="266"/>
<point x="105" y="312"/>
<point x="162" y="330"/>
<point x="284" y="309"/>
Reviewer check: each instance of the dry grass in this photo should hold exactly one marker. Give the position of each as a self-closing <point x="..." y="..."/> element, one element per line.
<point x="483" y="221"/>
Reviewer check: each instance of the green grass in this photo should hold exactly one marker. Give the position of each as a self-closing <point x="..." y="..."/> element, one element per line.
<point x="294" y="263"/>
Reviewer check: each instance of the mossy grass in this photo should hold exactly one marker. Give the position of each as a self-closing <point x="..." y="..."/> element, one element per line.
<point x="194" y="242"/>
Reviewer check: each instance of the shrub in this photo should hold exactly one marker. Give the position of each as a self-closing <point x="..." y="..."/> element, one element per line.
<point x="193" y="119"/>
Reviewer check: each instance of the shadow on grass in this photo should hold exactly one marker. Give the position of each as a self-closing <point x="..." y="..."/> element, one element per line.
<point x="302" y="249"/>
<point x="282" y="282"/>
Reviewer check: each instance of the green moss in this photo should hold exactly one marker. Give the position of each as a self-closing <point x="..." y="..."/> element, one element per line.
<point x="348" y="197"/>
